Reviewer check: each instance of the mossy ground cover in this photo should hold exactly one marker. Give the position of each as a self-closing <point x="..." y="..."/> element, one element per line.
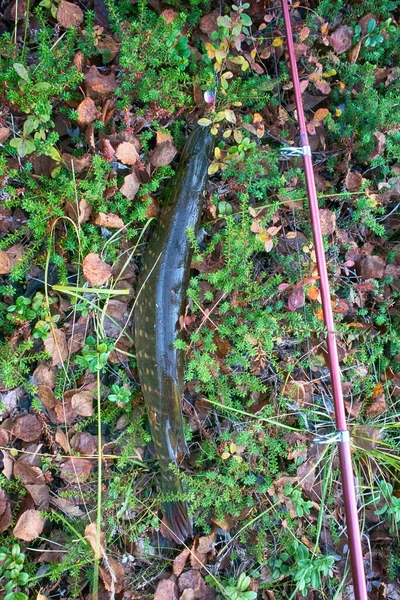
<point x="97" y="99"/>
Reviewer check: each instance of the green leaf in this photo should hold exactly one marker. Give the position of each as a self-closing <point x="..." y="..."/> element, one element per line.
<point x="22" y="148"/>
<point x="224" y="22"/>
<point x="14" y="143"/>
<point x="245" y="19"/>
<point x="21" y="71"/>
<point x="30" y="125"/>
<point x="204" y="122"/>
<point x="42" y="86"/>
<point x="371" y="26"/>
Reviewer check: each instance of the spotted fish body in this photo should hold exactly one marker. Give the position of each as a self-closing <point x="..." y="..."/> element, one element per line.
<point x="162" y="291"/>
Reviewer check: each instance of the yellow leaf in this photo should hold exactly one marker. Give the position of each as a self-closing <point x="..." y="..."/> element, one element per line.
<point x="277" y="42"/>
<point x="230" y="116"/>
<point x="204" y="122"/>
<point x="225" y="455"/>
<point x="232" y="448"/>
<point x="210" y="51"/>
<point x="217" y="153"/>
<point x="338" y="112"/>
<point x="227" y="133"/>
<point x="213" y="168"/>
<point x="238" y="136"/>
<point x="257" y="118"/>
<point x="321" y="114"/>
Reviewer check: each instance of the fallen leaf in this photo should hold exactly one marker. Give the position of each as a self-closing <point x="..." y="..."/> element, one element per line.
<point x="180" y="562"/>
<point x="95" y="270"/>
<point x="76" y="165"/>
<point x="109" y="220"/>
<point x="4" y="133"/>
<point x="9" y="258"/>
<point x="380" y="142"/>
<point x="96" y="539"/>
<point x="67" y="507"/>
<point x="44" y="374"/>
<point x="40" y="495"/>
<point x="341" y="39"/>
<point x="313" y="293"/>
<point x="127" y="153"/>
<point x="377" y="406"/>
<point x="372" y="267"/>
<point x="202" y="546"/>
<point x="82" y="403"/>
<point x="130" y="186"/>
<point x="87" y="112"/>
<point x="296" y="299"/>
<point x="193" y="580"/>
<point x="56" y="346"/>
<point x="28" y="474"/>
<point x="163" y="154"/>
<point x="97" y="83"/>
<point x="27" y="428"/>
<point x="304" y="33"/>
<point x="321" y="114"/>
<point x="5" y="511"/>
<point x="113" y="575"/>
<point x="46" y="396"/>
<point x="84" y="443"/>
<point x="165" y="590"/>
<point x="328" y="221"/>
<point x="354" y="53"/>
<point x="76" y="469"/>
<point x="69" y="15"/>
<point x="208" y="23"/>
<point x="353" y="181"/>
<point x="8" y="464"/>
<point x="29" y="526"/>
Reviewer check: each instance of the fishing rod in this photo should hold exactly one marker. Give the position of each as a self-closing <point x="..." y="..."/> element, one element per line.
<point x="342" y="434"/>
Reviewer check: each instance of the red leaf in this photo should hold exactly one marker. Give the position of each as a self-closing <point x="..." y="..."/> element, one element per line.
<point x="296" y="299"/>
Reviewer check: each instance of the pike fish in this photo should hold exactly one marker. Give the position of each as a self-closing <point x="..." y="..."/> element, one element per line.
<point x="161" y="299"/>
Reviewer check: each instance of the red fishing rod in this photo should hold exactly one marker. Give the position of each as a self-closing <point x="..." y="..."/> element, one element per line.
<point x="342" y="435"/>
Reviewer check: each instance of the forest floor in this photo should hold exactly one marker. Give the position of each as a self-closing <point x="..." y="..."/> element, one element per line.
<point x="97" y="100"/>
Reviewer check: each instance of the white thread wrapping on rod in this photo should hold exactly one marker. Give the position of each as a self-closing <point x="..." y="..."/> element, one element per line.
<point x="332" y="438"/>
<point x="295" y="151"/>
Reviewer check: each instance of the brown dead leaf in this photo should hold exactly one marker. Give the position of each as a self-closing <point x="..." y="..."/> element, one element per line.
<point x="64" y="412"/>
<point x="328" y="221"/>
<point x="97" y="83"/>
<point x="87" y="112"/>
<point x="97" y="539"/>
<point x="372" y="267"/>
<point x="79" y="214"/>
<point x="109" y="48"/>
<point x="193" y="581"/>
<point x="82" y="403"/>
<point x="46" y="396"/>
<point x="380" y="142"/>
<point x="130" y="186"/>
<point x="29" y="526"/>
<point x="28" y="474"/>
<point x="208" y="23"/>
<point x="377" y="406"/>
<point x="112" y="575"/>
<point x="202" y="546"/>
<point x="76" y="165"/>
<point x="165" y="590"/>
<point x="353" y="181"/>
<point x="296" y="299"/>
<point x="40" y="495"/>
<point x="163" y="154"/>
<point x="127" y="153"/>
<point x="5" y="511"/>
<point x="4" y="133"/>
<point x="180" y="562"/>
<point x="9" y="258"/>
<point x="84" y="443"/>
<point x="354" y="53"/>
<point x="56" y="346"/>
<point x="27" y="428"/>
<point x="169" y="15"/>
<point x="341" y="39"/>
<point x="366" y="436"/>
<point x="69" y="15"/>
<point x="76" y="469"/>
<point x="8" y="464"/>
<point x="304" y="33"/>
<point x="95" y="270"/>
<point x="299" y="392"/>
<point x="109" y="220"/>
<point x="67" y="507"/>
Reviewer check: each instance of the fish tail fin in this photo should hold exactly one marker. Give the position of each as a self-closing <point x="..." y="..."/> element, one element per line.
<point x="177" y="521"/>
